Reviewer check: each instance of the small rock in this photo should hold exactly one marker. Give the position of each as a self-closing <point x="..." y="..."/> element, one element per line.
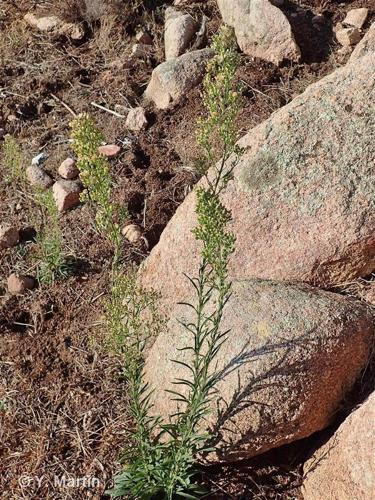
<point x="66" y="194"/>
<point x="143" y="38"/>
<point x="132" y="233"/>
<point x="180" y="29"/>
<point x="356" y="17"/>
<point x="68" y="170"/>
<point x="38" y="177"/>
<point x="53" y="23"/>
<point x="39" y="159"/>
<point x="72" y="30"/>
<point x="19" y="283"/>
<point x="109" y="150"/>
<point x="348" y="36"/>
<point x="141" y="51"/>
<point x="172" y="79"/>
<point x="2" y="132"/>
<point x="136" y="119"/>
<point x="47" y="23"/>
<point x="9" y="236"/>
<point x="262" y="30"/>
<point x="201" y="35"/>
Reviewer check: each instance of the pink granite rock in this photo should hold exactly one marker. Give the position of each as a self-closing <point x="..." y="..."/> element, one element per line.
<point x="343" y="469"/>
<point x="302" y="197"/>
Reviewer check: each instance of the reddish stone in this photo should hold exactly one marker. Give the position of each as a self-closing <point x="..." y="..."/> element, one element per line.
<point x="343" y="469"/>
<point x="109" y="150"/>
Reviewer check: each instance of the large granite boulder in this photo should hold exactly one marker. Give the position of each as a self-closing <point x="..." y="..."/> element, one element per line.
<point x="302" y="197"/>
<point x="292" y="354"/>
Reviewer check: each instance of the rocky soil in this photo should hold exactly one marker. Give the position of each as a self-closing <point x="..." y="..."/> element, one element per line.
<point x="303" y="206"/>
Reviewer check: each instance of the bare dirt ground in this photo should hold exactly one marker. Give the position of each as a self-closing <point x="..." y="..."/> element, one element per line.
<point x="65" y="399"/>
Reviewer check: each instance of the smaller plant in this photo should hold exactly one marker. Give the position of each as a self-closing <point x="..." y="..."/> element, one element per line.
<point x="14" y="161"/>
<point x="131" y="319"/>
<point x="53" y="265"/>
<point x="131" y="316"/>
<point x="96" y="177"/>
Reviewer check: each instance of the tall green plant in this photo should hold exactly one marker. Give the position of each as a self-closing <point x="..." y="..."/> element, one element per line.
<point x="162" y="463"/>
